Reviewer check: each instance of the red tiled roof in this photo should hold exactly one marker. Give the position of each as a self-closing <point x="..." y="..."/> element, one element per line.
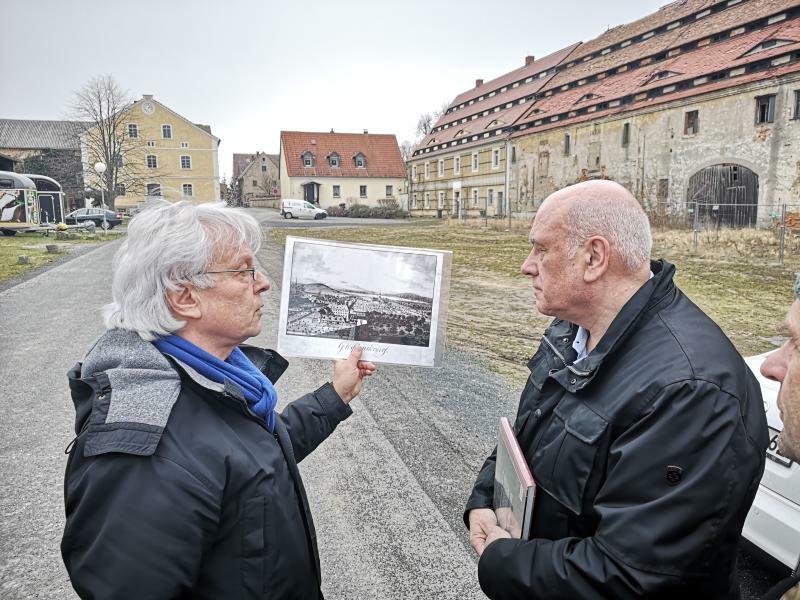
<point x="536" y="67"/>
<point x="380" y="150"/>
<point x="663" y="16"/>
<point x="716" y="57"/>
<point x="240" y="162"/>
<point x="696" y="30"/>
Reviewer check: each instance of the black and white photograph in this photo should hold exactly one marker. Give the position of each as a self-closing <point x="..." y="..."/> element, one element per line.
<point x="387" y="299"/>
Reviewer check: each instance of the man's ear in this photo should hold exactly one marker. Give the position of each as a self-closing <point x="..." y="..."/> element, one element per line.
<point x="597" y="253"/>
<point x="184" y="303"/>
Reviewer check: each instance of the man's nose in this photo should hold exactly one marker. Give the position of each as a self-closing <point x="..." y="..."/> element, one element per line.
<point x="529" y="266"/>
<point x="775" y="365"/>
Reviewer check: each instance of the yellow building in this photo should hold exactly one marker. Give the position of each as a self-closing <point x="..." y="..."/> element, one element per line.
<point x="169" y="156"/>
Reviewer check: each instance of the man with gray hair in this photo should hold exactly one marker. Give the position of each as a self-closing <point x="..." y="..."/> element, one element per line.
<point x="182" y="481"/>
<point x="641" y="423"/>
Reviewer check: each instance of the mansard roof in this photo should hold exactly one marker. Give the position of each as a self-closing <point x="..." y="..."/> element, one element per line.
<point x="701" y="46"/>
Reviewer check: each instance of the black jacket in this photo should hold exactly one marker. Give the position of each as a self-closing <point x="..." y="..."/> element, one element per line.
<point x="647" y="455"/>
<point x="175" y="489"/>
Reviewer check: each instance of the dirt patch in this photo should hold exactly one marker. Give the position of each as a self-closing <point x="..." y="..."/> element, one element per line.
<point x="492" y="314"/>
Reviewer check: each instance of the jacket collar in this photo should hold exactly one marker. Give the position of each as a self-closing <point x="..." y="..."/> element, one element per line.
<point x="558" y="338"/>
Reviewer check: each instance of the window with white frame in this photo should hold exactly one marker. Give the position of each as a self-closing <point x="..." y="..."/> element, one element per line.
<point x="413" y="171"/>
<point x="133" y="130"/>
<point x="427" y="170"/>
<point x="500" y="199"/>
<point x="414" y="201"/>
<point x="441" y="167"/>
<point x="427" y="200"/>
<point x="496" y="158"/>
<point x="474" y="162"/>
<point x="333" y="160"/>
<point x="151" y="144"/>
<point x="441" y="200"/>
<point x="337" y="191"/>
<point x="184" y="144"/>
<point x="475" y="197"/>
<point x="457" y="165"/>
<point x="152" y="161"/>
<point x="255" y="182"/>
<point x="166" y="132"/>
<point x="389" y="191"/>
<point x="186" y="162"/>
<point x="490" y="197"/>
<point x="308" y="159"/>
<point x="361" y="161"/>
<point x="153" y="189"/>
<point x="188" y="189"/>
<point x="362" y="191"/>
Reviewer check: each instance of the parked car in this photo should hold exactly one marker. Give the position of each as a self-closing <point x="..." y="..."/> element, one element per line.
<point x="301" y="210"/>
<point x="773" y="523"/>
<point x="94" y="214"/>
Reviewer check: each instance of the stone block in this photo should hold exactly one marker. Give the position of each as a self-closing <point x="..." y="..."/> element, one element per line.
<point x="23" y="260"/>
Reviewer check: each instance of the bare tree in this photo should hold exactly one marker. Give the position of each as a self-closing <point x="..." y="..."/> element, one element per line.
<point x="406" y="149"/>
<point x="425" y="124"/>
<point x="427" y="120"/>
<point x="103" y="105"/>
<point x="268" y="184"/>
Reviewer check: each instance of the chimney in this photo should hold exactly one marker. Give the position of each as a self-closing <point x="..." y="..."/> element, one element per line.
<point x="366" y="131"/>
<point x="478" y="83"/>
<point x="529" y="59"/>
<point x="148" y="96"/>
<point x="331" y="129"/>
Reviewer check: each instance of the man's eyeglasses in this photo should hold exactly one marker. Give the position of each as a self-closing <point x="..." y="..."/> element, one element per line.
<point x="251" y="271"/>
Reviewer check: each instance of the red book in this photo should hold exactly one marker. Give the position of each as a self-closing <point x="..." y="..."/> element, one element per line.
<point x="514" y="487"/>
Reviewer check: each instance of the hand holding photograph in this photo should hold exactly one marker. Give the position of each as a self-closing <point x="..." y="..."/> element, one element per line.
<point x="390" y="300"/>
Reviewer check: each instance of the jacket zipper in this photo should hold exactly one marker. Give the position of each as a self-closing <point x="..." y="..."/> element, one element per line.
<point x="560" y="356"/>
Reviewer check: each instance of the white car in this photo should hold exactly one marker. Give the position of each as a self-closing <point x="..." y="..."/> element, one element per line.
<point x="301" y="209"/>
<point x="773" y="523"/>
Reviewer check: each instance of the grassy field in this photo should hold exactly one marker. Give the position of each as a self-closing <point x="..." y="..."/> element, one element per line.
<point x="33" y="245"/>
<point x="491" y="307"/>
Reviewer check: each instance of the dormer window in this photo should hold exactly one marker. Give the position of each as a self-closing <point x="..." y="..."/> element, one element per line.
<point x="360" y="160"/>
<point x="662" y="75"/>
<point x="333" y="159"/>
<point x="586" y="97"/>
<point x="308" y="159"/>
<point x="768" y="45"/>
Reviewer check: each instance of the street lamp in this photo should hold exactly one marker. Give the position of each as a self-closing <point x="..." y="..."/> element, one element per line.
<point x="100" y="168"/>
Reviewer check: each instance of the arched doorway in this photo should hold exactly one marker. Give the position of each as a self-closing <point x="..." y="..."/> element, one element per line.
<point x="724" y="195"/>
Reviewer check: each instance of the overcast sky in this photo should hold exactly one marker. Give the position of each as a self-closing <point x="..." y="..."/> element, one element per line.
<point x="253" y="68"/>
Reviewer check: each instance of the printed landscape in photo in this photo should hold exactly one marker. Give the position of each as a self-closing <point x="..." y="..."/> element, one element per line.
<point x="364" y="295"/>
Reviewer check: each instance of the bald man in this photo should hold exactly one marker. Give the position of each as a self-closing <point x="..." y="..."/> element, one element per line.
<point x="642" y="426"/>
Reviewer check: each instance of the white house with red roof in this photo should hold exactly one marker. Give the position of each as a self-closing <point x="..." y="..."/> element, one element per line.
<point x="331" y="168"/>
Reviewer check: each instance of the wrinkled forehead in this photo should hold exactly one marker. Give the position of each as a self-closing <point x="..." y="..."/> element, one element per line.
<point x="548" y="222"/>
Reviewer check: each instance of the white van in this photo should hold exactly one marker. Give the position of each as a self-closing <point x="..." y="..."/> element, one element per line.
<point x="773" y="523"/>
<point x="301" y="209"/>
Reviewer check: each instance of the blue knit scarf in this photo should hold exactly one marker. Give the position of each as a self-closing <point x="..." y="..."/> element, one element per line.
<point x="258" y="390"/>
